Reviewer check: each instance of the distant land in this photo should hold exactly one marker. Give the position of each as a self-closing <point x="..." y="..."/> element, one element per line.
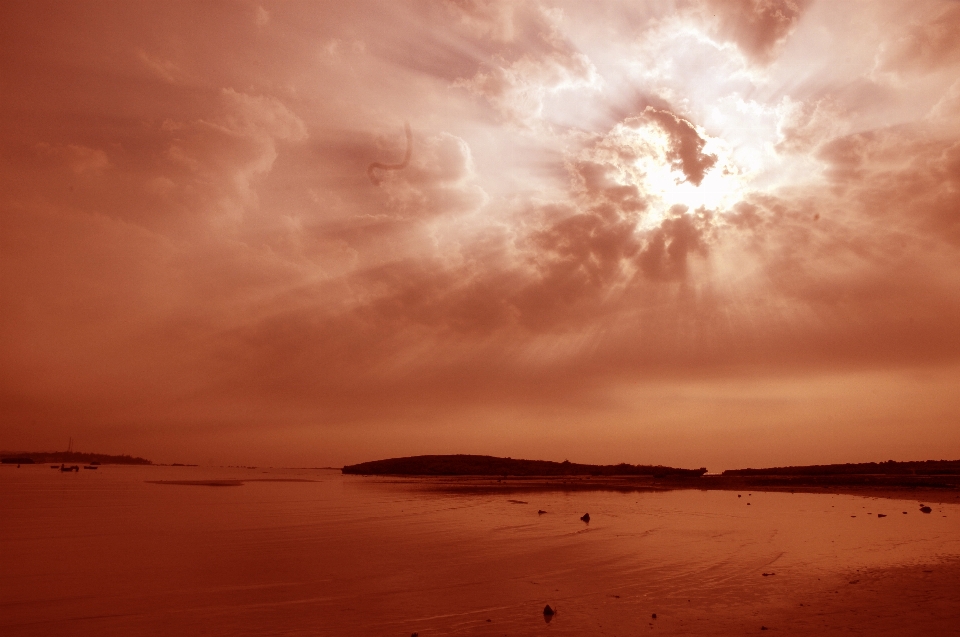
<point x="925" y="474"/>
<point x="44" y="457"/>
<point x="883" y="479"/>
<point x="888" y="468"/>
<point x="467" y="465"/>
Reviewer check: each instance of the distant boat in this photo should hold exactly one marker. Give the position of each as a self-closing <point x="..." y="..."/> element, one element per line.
<point x="73" y="468"/>
<point x="86" y="466"/>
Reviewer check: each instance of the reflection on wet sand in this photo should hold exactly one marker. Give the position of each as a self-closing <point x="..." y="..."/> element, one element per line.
<point x="128" y="551"/>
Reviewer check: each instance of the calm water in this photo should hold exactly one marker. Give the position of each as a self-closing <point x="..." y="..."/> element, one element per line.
<point x="109" y="553"/>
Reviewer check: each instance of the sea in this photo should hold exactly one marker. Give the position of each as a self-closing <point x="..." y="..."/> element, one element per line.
<point x="150" y="550"/>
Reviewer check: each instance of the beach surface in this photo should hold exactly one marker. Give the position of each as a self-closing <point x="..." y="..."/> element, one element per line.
<point x="168" y="550"/>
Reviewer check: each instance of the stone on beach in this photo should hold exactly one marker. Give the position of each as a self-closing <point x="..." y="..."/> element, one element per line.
<point x="585" y="517"/>
<point x="548" y="611"/>
<point x="925" y="509"/>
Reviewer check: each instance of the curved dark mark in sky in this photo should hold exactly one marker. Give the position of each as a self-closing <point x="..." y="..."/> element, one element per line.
<point x="406" y="159"/>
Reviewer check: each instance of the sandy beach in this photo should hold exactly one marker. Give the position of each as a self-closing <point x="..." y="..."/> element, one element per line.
<point x="919" y="599"/>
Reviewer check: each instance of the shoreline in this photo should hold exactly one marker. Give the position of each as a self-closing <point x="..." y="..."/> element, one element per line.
<point x="947" y="494"/>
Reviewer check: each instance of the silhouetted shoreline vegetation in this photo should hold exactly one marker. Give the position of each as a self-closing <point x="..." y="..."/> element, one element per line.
<point x="890" y="467"/>
<point x="470" y="465"/>
<point x="76" y="457"/>
<point x="516" y="474"/>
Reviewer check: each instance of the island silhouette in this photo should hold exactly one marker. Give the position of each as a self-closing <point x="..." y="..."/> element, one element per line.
<point x="43" y="457"/>
<point x="928" y="474"/>
<point x="472" y="465"/>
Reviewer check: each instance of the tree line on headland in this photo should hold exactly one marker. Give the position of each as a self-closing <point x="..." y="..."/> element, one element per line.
<point x="474" y="465"/>
<point x="890" y="467"/>
<point x="43" y="457"/>
<point x="470" y="465"/>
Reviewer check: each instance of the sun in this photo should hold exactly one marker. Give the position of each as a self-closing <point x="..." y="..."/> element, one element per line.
<point x="651" y="164"/>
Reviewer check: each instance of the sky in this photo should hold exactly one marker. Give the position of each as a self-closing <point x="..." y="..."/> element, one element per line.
<point x="718" y="233"/>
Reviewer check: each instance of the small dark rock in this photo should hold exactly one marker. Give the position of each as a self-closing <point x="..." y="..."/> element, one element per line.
<point x="540" y="512"/>
<point x="548" y="611"/>
<point x="881" y="515"/>
<point x="414" y="634"/>
<point x="585" y="517"/>
<point x="768" y="574"/>
<point x="925" y="509"/>
<point x="764" y="628"/>
<point x="739" y="496"/>
<point x="654" y="615"/>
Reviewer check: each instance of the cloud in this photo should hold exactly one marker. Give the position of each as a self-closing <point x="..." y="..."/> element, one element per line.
<point x="686" y="146"/>
<point x="757" y="27"/>
<point x="530" y="60"/>
<point x="165" y="69"/>
<point x="947" y="108"/>
<point x="262" y="18"/>
<point x="925" y="45"/>
<point x="82" y="160"/>
<point x="804" y="126"/>
<point x="602" y="206"/>
<point x="237" y="141"/>
<point x="438" y="179"/>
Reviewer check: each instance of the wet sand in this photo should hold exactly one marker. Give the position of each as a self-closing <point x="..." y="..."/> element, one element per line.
<point x="224" y="483"/>
<point x="926" y="495"/>
<point x="920" y="599"/>
<point x="198" y="483"/>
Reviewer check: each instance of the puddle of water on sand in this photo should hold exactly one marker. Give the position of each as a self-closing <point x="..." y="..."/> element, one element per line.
<point x="350" y="555"/>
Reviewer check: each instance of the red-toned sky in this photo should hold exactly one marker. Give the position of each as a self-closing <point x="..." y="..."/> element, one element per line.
<point x="693" y="232"/>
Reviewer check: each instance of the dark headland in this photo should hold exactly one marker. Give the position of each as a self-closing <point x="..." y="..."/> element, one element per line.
<point x="467" y="465"/>
<point x="888" y="468"/>
<point x="75" y="457"/>
<point x="936" y="479"/>
<point x="927" y="474"/>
